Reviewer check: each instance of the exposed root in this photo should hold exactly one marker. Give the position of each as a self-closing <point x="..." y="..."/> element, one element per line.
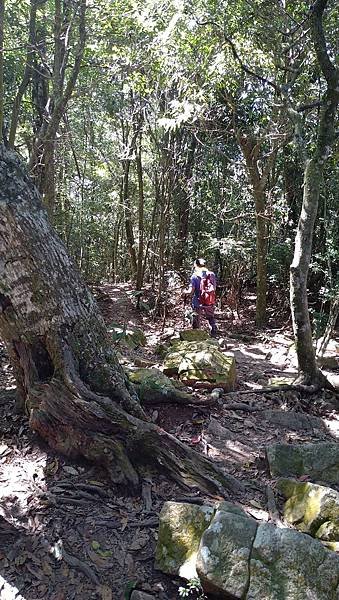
<point x="102" y="432"/>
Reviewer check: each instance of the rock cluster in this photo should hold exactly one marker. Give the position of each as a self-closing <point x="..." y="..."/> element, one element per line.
<point x="237" y="557"/>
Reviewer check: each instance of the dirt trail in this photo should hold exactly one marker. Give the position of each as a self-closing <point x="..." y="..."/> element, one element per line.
<point x="66" y="532"/>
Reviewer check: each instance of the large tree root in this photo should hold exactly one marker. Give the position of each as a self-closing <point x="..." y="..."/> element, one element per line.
<point x="77" y="422"/>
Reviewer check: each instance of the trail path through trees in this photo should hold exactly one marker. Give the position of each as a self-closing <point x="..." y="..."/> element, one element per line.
<point x="67" y="532"/>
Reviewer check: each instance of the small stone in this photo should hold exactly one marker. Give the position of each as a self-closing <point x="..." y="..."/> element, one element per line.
<point x="70" y="470"/>
<point x="155" y="415"/>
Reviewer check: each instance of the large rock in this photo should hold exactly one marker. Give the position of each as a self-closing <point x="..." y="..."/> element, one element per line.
<point x="320" y="461"/>
<point x="193" y="335"/>
<point x="154" y="387"/>
<point x="240" y="559"/>
<point x="288" y="565"/>
<point x="180" y="529"/>
<point x="201" y="364"/>
<point x="292" y="420"/>
<point x="311" y="508"/>
<point x="129" y="336"/>
<point x="224" y="553"/>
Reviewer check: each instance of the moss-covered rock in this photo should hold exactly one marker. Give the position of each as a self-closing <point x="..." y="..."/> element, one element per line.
<point x="180" y="529"/>
<point x="193" y="335"/>
<point x="288" y="565"/>
<point x="240" y="559"/>
<point x="201" y="364"/>
<point x="320" y="461"/>
<point x="153" y="387"/>
<point x="129" y="336"/>
<point x="311" y="508"/>
<point x="224" y="553"/>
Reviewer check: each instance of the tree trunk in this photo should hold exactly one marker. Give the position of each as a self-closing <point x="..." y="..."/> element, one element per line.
<point x="250" y="148"/>
<point x="128" y="221"/>
<point x="309" y="373"/>
<point x="139" y="281"/>
<point x="261" y="231"/>
<point x="73" y="388"/>
<point x="2" y="16"/>
<point x="27" y="72"/>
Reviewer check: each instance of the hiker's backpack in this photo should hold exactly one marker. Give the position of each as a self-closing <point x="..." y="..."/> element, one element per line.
<point x="207" y="289"/>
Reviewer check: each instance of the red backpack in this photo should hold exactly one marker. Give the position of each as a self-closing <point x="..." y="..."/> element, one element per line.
<point x="207" y="289"/>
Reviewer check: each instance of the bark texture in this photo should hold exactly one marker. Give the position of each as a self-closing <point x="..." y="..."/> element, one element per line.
<point x="309" y="372"/>
<point x="69" y="379"/>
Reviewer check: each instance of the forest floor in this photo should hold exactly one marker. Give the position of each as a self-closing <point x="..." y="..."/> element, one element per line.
<point x="67" y="533"/>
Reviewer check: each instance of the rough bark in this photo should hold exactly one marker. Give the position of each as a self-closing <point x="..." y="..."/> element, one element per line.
<point x="75" y="392"/>
<point x="313" y="175"/>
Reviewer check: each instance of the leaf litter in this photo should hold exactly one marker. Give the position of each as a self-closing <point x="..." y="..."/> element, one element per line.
<point x="66" y="532"/>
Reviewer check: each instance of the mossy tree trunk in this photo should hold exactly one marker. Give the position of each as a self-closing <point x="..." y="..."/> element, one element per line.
<point x="309" y="373"/>
<point x="72" y="386"/>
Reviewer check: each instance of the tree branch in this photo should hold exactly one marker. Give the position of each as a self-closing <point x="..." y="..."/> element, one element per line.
<point x="328" y="69"/>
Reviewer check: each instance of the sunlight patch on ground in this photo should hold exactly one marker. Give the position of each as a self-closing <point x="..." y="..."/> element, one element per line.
<point x="21" y="477"/>
<point x="9" y="592"/>
<point x="333" y="426"/>
<point x="254" y="355"/>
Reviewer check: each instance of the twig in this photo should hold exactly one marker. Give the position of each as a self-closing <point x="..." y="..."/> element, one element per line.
<point x="146" y="493"/>
<point x="76" y="563"/>
<point x="241" y="406"/>
<point x="297" y="387"/>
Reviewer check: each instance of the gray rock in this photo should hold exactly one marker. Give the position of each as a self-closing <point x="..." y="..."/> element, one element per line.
<point x="288" y="565"/>
<point x="295" y="421"/>
<point x="224" y="553"/>
<point x="320" y="461"/>
<point x="239" y="559"/>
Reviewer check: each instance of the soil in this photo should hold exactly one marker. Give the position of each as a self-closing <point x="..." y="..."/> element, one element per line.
<point x="67" y="533"/>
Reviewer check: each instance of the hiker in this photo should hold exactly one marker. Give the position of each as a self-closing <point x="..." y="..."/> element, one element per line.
<point x="202" y="291"/>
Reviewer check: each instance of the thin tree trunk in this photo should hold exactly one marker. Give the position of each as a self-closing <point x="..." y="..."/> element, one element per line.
<point x="309" y="373"/>
<point x="128" y="223"/>
<point x="139" y="280"/>
<point x="250" y="148"/>
<point x="261" y="243"/>
<point x="2" y="17"/>
<point x="41" y="162"/>
<point x="75" y="392"/>
<point x="27" y="73"/>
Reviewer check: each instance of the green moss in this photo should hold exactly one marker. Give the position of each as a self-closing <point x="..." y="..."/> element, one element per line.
<point x="181" y="528"/>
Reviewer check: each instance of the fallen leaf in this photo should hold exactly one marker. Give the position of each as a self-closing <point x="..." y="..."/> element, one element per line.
<point x="95" y="545"/>
<point x="195" y="440"/>
<point x="52" y="467"/>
